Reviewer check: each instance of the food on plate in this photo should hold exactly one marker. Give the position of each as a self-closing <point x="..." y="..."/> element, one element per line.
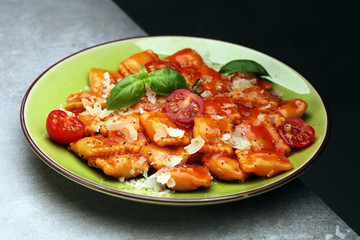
<point x="64" y="129"/>
<point x="179" y="122"/>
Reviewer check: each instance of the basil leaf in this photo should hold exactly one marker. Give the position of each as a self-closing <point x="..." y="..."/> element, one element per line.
<point x="243" y="65"/>
<point x="165" y="81"/>
<point x="126" y="92"/>
<point x="143" y="73"/>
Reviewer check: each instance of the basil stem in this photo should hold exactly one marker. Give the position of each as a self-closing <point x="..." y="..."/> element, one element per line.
<point x="243" y="65"/>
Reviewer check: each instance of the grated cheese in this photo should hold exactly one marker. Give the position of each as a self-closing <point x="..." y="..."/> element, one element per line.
<point x="149" y="183"/>
<point x="107" y="85"/>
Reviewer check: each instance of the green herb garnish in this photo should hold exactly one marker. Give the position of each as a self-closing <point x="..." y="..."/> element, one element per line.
<point x="131" y="88"/>
<point x="196" y="85"/>
<point x="243" y="65"/>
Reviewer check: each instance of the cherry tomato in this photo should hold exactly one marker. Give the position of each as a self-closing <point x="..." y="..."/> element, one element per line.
<point x="63" y="128"/>
<point x="157" y="65"/>
<point x="296" y="133"/>
<point x="183" y="106"/>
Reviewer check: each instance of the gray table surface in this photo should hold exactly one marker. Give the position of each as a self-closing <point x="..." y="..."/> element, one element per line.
<point x="38" y="203"/>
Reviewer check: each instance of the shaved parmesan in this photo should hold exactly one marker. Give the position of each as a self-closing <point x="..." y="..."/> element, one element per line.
<point x="163" y="178"/>
<point x="225" y="137"/>
<point x="238" y="141"/>
<point x="261" y="117"/>
<point x="206" y="93"/>
<point x="242" y="84"/>
<point x="173" y="161"/>
<point x="125" y="128"/>
<point x="140" y="162"/>
<point x="175" y="132"/>
<point x="195" y="145"/>
<point x="162" y="131"/>
<point x="149" y="183"/>
<point x="216" y="117"/>
<point x="150" y="95"/>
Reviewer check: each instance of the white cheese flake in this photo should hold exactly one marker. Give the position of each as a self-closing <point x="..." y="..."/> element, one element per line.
<point x="150" y="95"/>
<point x="216" y="117"/>
<point x="195" y="145"/>
<point x="126" y="128"/>
<point x="238" y="141"/>
<point x="141" y="110"/>
<point x="163" y="178"/>
<point x="225" y="137"/>
<point x="149" y="183"/>
<point x="261" y="117"/>
<point x="175" y="132"/>
<point x="241" y="84"/>
<point x="139" y="162"/>
<point x="173" y="161"/>
<point x="162" y="131"/>
<point x="206" y="93"/>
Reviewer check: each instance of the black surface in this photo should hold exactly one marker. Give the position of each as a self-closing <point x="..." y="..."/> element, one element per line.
<point x="318" y="39"/>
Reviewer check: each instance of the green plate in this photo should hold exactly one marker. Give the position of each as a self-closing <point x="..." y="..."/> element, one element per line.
<point x="70" y="75"/>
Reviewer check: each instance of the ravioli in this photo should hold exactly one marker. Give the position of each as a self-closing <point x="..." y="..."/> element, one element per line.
<point x="235" y="137"/>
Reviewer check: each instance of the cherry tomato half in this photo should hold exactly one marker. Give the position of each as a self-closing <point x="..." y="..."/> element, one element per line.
<point x="159" y="64"/>
<point x="63" y="128"/>
<point x="183" y="106"/>
<point x="296" y="133"/>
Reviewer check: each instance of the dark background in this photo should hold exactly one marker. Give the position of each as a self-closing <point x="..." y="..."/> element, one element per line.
<point x="319" y="39"/>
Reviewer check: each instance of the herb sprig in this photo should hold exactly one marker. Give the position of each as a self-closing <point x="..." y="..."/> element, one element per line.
<point x="131" y="88"/>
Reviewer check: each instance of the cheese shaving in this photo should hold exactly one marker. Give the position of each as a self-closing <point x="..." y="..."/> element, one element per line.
<point x="126" y="128"/>
<point x="216" y="117"/>
<point x="163" y="178"/>
<point x="162" y="131"/>
<point x="150" y="95"/>
<point x="238" y="141"/>
<point x="242" y="84"/>
<point x="195" y="145"/>
<point x="225" y="137"/>
<point x="175" y="132"/>
<point x="107" y="85"/>
<point x="140" y="162"/>
<point x="173" y="161"/>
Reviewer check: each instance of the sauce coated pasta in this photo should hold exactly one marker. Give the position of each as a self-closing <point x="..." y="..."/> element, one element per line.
<point x="229" y="127"/>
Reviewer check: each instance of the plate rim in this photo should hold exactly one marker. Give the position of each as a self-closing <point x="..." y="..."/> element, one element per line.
<point x="162" y="200"/>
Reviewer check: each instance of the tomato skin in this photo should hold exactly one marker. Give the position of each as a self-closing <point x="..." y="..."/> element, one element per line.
<point x="296" y="133"/>
<point x="63" y="128"/>
<point x="183" y="106"/>
<point x="159" y="64"/>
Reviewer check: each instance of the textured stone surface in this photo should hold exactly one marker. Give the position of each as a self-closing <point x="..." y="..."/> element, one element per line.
<point x="38" y="203"/>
